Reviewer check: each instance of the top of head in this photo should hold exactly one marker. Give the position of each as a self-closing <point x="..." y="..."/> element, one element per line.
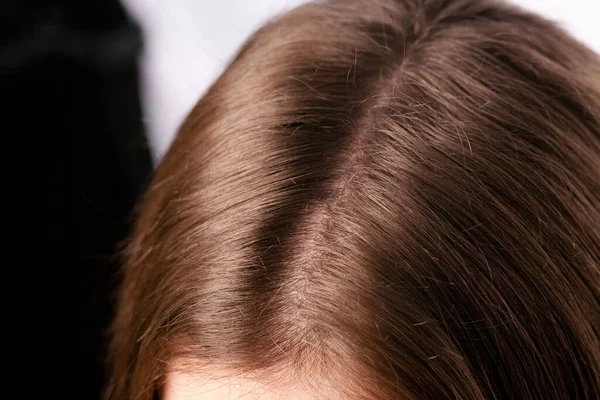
<point x="393" y="199"/>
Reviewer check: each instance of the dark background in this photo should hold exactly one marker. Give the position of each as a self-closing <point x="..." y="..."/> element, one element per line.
<point x="69" y="71"/>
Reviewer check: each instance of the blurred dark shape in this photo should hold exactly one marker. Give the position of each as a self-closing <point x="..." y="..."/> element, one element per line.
<point x="69" y="71"/>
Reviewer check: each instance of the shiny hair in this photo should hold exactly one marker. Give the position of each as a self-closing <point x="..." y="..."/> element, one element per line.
<point x="399" y="199"/>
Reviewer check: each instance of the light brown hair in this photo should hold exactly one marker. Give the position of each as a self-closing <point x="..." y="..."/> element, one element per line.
<point x="400" y="198"/>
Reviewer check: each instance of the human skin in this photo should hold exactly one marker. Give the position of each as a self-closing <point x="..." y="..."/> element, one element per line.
<point x="188" y="386"/>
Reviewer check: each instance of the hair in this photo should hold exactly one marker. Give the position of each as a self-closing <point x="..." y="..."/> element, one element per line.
<point x="394" y="199"/>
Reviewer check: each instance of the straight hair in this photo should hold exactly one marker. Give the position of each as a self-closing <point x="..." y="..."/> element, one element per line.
<point x="391" y="199"/>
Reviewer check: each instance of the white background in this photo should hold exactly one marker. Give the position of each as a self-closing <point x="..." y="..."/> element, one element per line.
<point x="188" y="43"/>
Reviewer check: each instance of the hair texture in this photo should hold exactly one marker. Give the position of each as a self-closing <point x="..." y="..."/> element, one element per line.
<point x="391" y="199"/>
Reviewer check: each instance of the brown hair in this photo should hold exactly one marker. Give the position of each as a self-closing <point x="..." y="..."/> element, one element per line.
<point x="400" y="198"/>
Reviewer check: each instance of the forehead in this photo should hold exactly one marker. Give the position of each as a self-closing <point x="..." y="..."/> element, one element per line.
<point x="183" y="386"/>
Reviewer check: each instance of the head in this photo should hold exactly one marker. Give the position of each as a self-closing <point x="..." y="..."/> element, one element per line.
<point x="378" y="199"/>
